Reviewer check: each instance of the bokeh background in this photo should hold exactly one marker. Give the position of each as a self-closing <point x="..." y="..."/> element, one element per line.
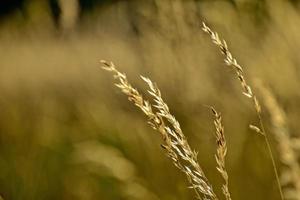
<point x="67" y="133"/>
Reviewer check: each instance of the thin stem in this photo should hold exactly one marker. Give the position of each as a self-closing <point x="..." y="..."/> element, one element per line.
<point x="287" y="152"/>
<point x="271" y="154"/>
<point x="246" y="90"/>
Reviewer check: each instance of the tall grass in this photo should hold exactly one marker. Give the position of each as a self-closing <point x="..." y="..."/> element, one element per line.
<point x="221" y="152"/>
<point x="288" y="145"/>
<point x="52" y="99"/>
<point x="176" y="145"/>
<point x="247" y="91"/>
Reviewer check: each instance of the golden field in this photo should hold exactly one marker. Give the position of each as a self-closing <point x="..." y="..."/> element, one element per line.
<point x="66" y="132"/>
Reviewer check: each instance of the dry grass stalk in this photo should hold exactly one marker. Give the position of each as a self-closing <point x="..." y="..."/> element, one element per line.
<point x="175" y="143"/>
<point x="287" y="147"/>
<point x="221" y="152"/>
<point x="247" y="91"/>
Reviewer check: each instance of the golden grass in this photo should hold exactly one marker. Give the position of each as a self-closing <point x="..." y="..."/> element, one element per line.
<point x="247" y="91"/>
<point x="175" y="143"/>
<point x="59" y="100"/>
<point x="221" y="152"/>
<point x="288" y="145"/>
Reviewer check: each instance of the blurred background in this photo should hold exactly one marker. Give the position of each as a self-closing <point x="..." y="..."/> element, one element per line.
<point x="67" y="133"/>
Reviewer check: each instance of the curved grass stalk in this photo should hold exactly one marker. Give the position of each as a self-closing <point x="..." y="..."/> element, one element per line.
<point x="175" y="143"/>
<point x="221" y="152"/>
<point x="247" y="91"/>
<point x="286" y="144"/>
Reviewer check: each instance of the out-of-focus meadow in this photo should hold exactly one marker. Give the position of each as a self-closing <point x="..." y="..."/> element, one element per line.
<point x="67" y="133"/>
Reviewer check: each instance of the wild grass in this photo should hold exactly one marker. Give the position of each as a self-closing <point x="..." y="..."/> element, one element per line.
<point x="288" y="146"/>
<point x="178" y="149"/>
<point x="175" y="143"/>
<point x="221" y="152"/>
<point x="247" y="91"/>
<point x="52" y="99"/>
